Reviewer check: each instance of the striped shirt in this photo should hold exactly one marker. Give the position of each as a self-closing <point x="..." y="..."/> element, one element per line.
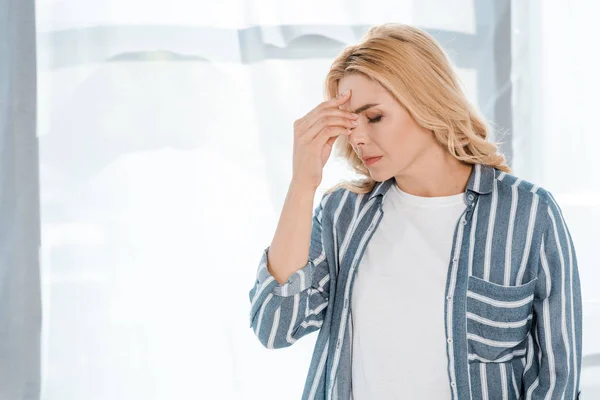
<point x="512" y="305"/>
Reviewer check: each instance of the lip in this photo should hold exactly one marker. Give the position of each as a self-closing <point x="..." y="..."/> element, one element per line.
<point x="371" y="160"/>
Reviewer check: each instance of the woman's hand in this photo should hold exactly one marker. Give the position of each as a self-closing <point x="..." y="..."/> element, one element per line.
<point x="314" y="136"/>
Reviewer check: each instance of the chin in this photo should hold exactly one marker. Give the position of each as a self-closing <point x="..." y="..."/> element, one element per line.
<point x="379" y="177"/>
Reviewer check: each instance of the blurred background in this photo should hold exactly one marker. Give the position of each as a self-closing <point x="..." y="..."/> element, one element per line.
<point x="157" y="137"/>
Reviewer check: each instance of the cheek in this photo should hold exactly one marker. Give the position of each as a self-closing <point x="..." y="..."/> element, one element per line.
<point x="394" y="135"/>
<point x="399" y="141"/>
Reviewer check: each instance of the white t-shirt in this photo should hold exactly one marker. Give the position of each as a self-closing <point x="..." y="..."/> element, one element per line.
<point x="397" y="309"/>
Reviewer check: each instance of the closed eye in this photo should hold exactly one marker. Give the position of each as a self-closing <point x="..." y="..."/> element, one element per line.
<point x="374" y="120"/>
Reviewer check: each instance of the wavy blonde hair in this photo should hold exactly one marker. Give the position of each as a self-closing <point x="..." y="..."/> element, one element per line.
<point x="414" y="68"/>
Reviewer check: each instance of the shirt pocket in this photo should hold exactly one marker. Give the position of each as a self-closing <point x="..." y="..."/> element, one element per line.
<point x="499" y="319"/>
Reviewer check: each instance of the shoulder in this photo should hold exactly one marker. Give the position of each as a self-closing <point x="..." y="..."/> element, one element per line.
<point x="507" y="184"/>
<point x="340" y="201"/>
<point x="535" y="196"/>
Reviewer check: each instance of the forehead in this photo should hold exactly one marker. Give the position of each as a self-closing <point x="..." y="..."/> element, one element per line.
<point x="364" y="90"/>
<point x="358" y="82"/>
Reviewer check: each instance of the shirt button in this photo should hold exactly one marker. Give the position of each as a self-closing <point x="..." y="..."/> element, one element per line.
<point x="464" y="222"/>
<point x="450" y="340"/>
<point x="471" y="197"/>
<point x="452" y="384"/>
<point x="448" y="297"/>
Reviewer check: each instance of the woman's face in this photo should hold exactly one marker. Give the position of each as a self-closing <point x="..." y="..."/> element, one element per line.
<point x="385" y="128"/>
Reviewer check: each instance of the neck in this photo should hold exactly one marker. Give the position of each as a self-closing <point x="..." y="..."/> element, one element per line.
<point x="436" y="174"/>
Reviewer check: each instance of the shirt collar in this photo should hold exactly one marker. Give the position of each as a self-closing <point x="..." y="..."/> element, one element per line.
<point x="481" y="181"/>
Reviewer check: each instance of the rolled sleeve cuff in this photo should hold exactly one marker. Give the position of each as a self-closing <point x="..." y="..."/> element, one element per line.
<point x="296" y="283"/>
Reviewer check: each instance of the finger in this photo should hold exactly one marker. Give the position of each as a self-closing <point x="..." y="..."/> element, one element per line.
<point x="331" y="112"/>
<point x="327" y="122"/>
<point x="334" y="103"/>
<point x="339" y="99"/>
<point x="330" y="141"/>
<point x="330" y="135"/>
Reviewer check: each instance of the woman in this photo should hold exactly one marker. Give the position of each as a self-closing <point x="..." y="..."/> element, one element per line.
<point x="439" y="275"/>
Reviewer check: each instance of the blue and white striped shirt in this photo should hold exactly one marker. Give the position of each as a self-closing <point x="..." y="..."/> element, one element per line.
<point x="512" y="306"/>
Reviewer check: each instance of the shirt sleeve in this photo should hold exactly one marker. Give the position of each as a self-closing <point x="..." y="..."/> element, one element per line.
<point x="280" y="314"/>
<point x="558" y="311"/>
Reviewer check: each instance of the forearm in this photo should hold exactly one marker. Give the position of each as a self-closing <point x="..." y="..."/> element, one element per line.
<point x="289" y="249"/>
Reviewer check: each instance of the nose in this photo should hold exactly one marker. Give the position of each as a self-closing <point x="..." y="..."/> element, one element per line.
<point x="358" y="137"/>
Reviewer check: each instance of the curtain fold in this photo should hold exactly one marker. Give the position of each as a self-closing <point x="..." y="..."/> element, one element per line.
<point x="20" y="299"/>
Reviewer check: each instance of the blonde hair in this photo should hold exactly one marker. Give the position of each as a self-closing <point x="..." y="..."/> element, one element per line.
<point x="414" y="68"/>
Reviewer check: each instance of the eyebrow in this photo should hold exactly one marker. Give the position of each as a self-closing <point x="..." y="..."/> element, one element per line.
<point x="365" y="107"/>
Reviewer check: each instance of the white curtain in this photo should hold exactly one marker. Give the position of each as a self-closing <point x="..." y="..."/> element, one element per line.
<point x="165" y="153"/>
<point x="555" y="139"/>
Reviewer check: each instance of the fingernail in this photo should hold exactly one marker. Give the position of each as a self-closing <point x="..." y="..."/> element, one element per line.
<point x="345" y="92"/>
<point x="355" y="115"/>
<point x="354" y="122"/>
